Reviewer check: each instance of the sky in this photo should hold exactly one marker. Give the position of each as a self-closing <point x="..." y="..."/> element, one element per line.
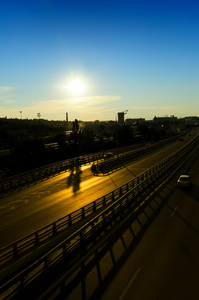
<point x="95" y="58"/>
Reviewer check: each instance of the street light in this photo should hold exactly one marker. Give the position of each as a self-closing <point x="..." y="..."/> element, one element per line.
<point x="125" y="112"/>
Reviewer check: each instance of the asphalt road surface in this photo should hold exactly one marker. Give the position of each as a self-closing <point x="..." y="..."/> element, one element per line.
<point x="32" y="208"/>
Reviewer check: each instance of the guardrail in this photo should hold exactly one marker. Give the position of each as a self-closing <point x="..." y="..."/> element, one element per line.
<point x="28" y="243"/>
<point x="69" y="249"/>
<point x="38" y="174"/>
<point x="33" y="176"/>
<point x="108" y="165"/>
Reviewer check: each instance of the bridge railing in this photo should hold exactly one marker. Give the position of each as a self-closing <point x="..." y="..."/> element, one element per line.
<point x="35" y="175"/>
<point x="28" y="243"/>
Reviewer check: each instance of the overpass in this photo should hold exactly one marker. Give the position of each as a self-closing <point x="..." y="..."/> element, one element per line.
<point x="25" y="210"/>
<point x="136" y="190"/>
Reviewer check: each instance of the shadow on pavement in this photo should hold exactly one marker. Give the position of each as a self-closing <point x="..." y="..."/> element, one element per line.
<point x="74" y="178"/>
<point x="96" y="274"/>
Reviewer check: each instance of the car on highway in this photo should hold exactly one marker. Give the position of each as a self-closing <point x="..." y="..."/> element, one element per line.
<point x="184" y="180"/>
<point x="148" y="145"/>
<point x="108" y="155"/>
<point x="94" y="168"/>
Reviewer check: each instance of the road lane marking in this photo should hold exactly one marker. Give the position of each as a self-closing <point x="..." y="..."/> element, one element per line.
<point x="129" y="284"/>
<point x="113" y="181"/>
<point x="174" y="211"/>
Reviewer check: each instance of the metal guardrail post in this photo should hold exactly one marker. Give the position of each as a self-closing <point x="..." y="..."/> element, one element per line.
<point x="104" y="200"/>
<point x="94" y="206"/>
<point x="69" y="220"/>
<point x="15" y="250"/>
<point x="120" y="193"/>
<point x="54" y="228"/>
<point x="83" y="213"/>
<point x="36" y="238"/>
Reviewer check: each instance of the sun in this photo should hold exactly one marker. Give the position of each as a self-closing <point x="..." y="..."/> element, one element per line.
<point x="76" y="86"/>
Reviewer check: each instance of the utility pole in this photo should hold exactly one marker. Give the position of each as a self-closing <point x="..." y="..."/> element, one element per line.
<point x="66" y="121"/>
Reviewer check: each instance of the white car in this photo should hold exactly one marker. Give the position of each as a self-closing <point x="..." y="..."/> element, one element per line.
<point x="109" y="155"/>
<point x="184" y="180"/>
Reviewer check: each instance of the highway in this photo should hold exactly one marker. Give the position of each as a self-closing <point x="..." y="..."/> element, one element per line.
<point x="30" y="209"/>
<point x="164" y="262"/>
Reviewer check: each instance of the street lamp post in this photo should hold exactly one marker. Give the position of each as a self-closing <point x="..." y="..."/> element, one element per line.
<point x="125" y="112"/>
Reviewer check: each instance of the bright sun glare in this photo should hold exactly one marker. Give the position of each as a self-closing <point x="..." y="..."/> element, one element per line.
<point x="76" y="86"/>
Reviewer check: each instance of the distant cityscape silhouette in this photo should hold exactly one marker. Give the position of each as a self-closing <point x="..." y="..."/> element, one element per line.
<point x="27" y="144"/>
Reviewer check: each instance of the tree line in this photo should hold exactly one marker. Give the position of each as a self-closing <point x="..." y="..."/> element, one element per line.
<point x="30" y="141"/>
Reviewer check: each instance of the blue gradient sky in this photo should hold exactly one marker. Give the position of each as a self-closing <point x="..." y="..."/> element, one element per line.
<point x="137" y="55"/>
